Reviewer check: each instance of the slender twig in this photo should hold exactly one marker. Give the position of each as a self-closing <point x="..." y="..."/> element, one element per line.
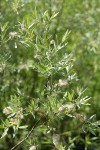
<point x="19" y="143"/>
<point x="23" y="139"/>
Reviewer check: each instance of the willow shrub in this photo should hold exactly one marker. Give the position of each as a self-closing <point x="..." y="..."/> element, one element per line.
<point x="41" y="100"/>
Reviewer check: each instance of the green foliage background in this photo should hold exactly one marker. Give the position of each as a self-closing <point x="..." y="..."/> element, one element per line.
<point x="49" y="55"/>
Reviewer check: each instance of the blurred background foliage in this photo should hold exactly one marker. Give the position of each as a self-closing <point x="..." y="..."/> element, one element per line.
<point x="29" y="31"/>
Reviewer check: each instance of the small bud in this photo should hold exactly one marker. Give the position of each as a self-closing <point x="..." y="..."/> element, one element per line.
<point x="52" y="42"/>
<point x="15" y="45"/>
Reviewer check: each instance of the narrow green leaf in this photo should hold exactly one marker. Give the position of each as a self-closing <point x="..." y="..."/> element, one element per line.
<point x="65" y="36"/>
<point x="23" y="127"/>
<point x="4" y="133"/>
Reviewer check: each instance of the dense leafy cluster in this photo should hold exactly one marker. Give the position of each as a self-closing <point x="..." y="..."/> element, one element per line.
<point x="49" y="69"/>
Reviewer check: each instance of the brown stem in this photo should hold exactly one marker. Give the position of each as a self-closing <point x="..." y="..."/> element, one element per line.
<point x="19" y="143"/>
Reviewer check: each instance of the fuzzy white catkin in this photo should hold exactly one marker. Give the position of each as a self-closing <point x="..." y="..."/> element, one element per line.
<point x="62" y="82"/>
<point x="7" y="110"/>
<point x="56" y="139"/>
<point x="32" y="148"/>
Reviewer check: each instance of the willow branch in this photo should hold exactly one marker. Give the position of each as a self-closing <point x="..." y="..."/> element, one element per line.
<point x="19" y="143"/>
